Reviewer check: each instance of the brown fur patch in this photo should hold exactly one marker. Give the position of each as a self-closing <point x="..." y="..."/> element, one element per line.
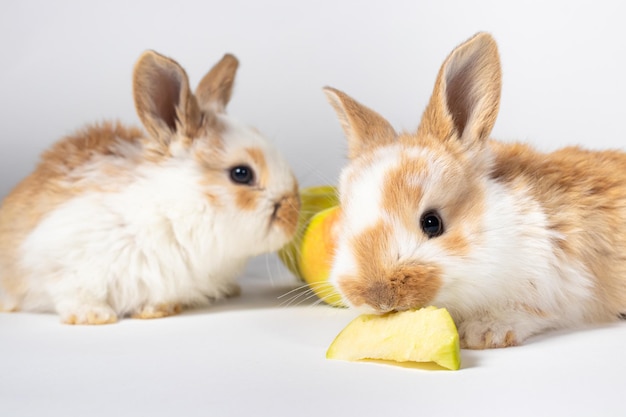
<point x="78" y="149"/>
<point x="402" y="190"/>
<point x="246" y="198"/>
<point x="455" y="243"/>
<point x="260" y="164"/>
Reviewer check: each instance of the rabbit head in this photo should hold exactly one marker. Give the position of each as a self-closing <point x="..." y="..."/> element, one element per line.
<point x="413" y="203"/>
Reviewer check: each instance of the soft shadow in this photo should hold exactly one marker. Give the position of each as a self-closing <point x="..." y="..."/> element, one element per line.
<point x="423" y="366"/>
<point x="567" y="333"/>
<point x="255" y="296"/>
<point x="469" y="358"/>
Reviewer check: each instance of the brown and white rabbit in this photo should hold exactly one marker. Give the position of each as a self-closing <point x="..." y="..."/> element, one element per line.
<point x="511" y="241"/>
<point x="116" y="222"/>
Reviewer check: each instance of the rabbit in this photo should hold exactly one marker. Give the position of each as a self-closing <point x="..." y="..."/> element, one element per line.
<point x="115" y="222"/>
<point x="511" y="241"/>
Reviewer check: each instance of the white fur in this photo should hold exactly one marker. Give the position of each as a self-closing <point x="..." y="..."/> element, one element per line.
<point x="156" y="241"/>
<point x="366" y="208"/>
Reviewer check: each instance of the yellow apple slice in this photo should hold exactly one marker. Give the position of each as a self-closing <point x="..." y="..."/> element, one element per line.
<point x="312" y="200"/>
<point x="425" y="335"/>
<point x="316" y="255"/>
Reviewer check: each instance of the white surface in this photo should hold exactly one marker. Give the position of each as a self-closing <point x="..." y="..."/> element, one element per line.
<point x="66" y="63"/>
<point x="256" y="356"/>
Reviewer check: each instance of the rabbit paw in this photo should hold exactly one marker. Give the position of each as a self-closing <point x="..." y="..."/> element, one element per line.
<point x="486" y="334"/>
<point x="157" y="311"/>
<point x="8" y="306"/>
<point x="91" y="314"/>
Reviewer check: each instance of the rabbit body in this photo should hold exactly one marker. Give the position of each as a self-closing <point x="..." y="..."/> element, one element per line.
<point x="510" y="240"/>
<point x="116" y="222"/>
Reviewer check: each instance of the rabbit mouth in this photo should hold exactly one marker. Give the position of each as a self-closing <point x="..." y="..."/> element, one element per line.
<point x="284" y="216"/>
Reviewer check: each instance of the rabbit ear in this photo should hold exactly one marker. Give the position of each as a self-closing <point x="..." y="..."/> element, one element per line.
<point x="464" y="104"/>
<point x="163" y="99"/>
<point x="216" y="87"/>
<point x="364" y="128"/>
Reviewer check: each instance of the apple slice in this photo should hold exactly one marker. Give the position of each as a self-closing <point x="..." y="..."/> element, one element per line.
<point x="316" y="254"/>
<point x="312" y="200"/>
<point x="425" y="335"/>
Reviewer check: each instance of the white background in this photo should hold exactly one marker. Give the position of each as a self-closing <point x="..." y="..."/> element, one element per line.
<point x="67" y="63"/>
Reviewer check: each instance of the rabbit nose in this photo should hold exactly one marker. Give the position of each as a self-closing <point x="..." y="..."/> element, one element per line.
<point x="382" y="297"/>
<point x="285" y="212"/>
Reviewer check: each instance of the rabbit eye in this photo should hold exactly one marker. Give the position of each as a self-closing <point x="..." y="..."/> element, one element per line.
<point x="242" y="174"/>
<point x="432" y="225"/>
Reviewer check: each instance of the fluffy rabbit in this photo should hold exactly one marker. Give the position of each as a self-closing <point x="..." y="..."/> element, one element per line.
<point x="511" y="241"/>
<point x="116" y="222"/>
